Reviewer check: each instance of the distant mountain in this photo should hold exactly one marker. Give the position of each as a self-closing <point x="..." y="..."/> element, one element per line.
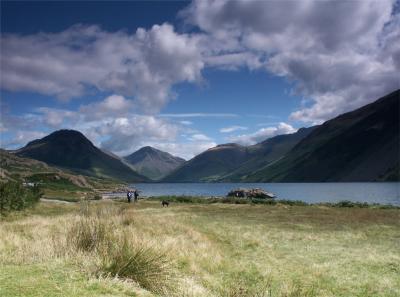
<point x="153" y="163"/>
<point x="210" y="165"/>
<point x="232" y="162"/>
<point x="72" y="150"/>
<point x="265" y="153"/>
<point x="362" y="145"/>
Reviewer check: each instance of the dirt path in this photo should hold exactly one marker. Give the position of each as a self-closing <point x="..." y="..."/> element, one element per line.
<point x="56" y="201"/>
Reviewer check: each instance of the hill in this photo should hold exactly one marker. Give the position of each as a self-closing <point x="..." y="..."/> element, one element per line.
<point x="71" y="150"/>
<point x="15" y="168"/>
<point x="362" y="145"/>
<point x="153" y="163"/>
<point x="232" y="162"/>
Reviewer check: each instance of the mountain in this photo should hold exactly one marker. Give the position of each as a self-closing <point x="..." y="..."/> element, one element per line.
<point x="14" y="168"/>
<point x="210" y="164"/>
<point x="232" y="162"/>
<point x="362" y="145"/>
<point x="72" y="150"/>
<point x="265" y="153"/>
<point x="153" y="163"/>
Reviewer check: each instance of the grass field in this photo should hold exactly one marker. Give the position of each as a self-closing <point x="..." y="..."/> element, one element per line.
<point x="108" y="248"/>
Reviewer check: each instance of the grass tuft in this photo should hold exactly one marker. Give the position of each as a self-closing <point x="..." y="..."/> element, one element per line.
<point x="150" y="268"/>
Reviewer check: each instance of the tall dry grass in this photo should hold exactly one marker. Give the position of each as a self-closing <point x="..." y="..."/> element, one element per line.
<point x="214" y="250"/>
<point x="100" y="233"/>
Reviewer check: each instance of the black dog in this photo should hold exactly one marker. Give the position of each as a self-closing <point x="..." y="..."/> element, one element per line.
<point x="165" y="203"/>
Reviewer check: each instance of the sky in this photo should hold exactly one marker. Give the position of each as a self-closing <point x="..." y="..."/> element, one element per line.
<point x="186" y="76"/>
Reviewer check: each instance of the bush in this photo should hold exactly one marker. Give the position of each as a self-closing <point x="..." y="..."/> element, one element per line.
<point x="15" y="196"/>
<point x="346" y="203"/>
<point x="148" y="267"/>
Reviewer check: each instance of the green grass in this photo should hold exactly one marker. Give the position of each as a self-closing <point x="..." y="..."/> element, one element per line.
<point x="216" y="249"/>
<point x="55" y="279"/>
<point x="70" y="196"/>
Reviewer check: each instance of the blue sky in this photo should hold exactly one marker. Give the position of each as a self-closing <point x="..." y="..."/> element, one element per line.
<point x="186" y="76"/>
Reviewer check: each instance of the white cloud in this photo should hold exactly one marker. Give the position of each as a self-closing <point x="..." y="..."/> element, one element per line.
<point x="198" y="115"/>
<point x="339" y="54"/>
<point x="121" y="134"/>
<point x="232" y="129"/>
<point x="67" y="64"/>
<point x="187" y="123"/>
<point x="112" y="106"/>
<point x="22" y="137"/>
<point x="186" y="150"/>
<point x="199" y="137"/>
<point x="262" y="134"/>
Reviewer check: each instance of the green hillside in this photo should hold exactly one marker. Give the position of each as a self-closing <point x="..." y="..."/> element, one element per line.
<point x="362" y="145"/>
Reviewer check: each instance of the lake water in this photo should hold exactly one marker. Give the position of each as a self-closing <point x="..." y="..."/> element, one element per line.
<point x="383" y="193"/>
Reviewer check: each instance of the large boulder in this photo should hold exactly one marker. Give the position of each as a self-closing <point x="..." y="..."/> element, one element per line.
<point x="250" y="193"/>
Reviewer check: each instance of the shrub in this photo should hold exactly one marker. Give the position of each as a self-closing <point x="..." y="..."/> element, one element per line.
<point x="293" y="202"/>
<point x="15" y="196"/>
<point x="150" y="268"/>
<point x="346" y="203"/>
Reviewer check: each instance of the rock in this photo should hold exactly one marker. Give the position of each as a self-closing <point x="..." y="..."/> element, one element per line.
<point x="251" y="193"/>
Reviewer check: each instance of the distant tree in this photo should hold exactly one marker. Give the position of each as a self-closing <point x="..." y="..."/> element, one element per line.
<point x="16" y="196"/>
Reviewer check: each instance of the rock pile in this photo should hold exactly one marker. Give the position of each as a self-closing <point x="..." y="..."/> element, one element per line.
<point x="251" y="193"/>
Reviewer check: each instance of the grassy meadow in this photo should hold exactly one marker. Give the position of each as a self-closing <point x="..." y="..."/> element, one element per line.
<point x="112" y="248"/>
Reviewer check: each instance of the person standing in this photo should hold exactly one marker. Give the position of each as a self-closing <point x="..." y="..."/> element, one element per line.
<point x="129" y="196"/>
<point x="136" y="194"/>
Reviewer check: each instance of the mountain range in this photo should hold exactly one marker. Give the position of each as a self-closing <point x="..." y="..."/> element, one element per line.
<point x="153" y="163"/>
<point x="361" y="145"/>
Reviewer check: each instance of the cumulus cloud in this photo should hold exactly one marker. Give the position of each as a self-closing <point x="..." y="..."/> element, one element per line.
<point x="232" y="129"/>
<point x="262" y="134"/>
<point x="109" y="125"/>
<point x="339" y="54"/>
<point x="21" y="138"/>
<point x="112" y="106"/>
<point x="143" y="65"/>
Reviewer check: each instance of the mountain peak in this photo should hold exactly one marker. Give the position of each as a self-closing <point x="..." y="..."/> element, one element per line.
<point x="152" y="162"/>
<point x="71" y="149"/>
<point x="63" y="135"/>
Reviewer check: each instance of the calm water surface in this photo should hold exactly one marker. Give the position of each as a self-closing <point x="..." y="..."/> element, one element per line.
<point x="384" y="193"/>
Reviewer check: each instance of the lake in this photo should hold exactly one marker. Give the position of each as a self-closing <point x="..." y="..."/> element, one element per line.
<point x="383" y="193"/>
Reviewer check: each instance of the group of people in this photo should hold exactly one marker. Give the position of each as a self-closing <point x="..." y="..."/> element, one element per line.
<point x="135" y="195"/>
